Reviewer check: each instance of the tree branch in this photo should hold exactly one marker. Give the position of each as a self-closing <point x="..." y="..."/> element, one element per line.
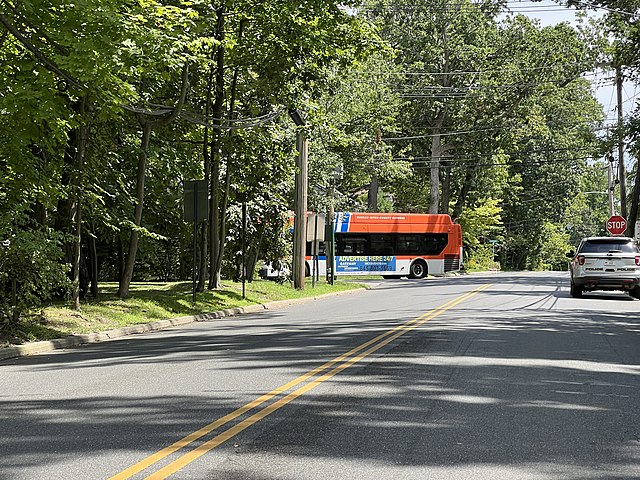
<point x="59" y="48"/>
<point x="178" y="108"/>
<point x="48" y="63"/>
<point x="3" y="38"/>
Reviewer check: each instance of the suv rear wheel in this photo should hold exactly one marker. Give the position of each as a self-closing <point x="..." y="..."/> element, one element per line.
<point x="576" y="292"/>
<point x="635" y="292"/>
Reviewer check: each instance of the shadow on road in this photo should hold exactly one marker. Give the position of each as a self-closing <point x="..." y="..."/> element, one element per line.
<point x="522" y="385"/>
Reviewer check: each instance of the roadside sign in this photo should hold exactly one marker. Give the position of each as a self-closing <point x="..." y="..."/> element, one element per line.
<point x="315" y="227"/>
<point x="315" y="234"/>
<point x="195" y="201"/>
<point x="195" y="209"/>
<point x="616" y="225"/>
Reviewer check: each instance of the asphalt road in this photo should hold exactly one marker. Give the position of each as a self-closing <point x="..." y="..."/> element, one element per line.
<point x="500" y="376"/>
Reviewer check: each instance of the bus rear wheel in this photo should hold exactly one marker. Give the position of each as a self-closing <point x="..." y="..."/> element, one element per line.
<point x="418" y="269"/>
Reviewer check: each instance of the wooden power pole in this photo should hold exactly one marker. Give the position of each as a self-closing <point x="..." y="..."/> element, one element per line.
<point x="300" y="203"/>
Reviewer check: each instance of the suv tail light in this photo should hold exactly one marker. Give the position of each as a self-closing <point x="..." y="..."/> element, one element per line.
<point x="581" y="259"/>
<point x="637" y="261"/>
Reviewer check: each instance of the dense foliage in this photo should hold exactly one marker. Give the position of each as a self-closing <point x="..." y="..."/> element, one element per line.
<point x="454" y="107"/>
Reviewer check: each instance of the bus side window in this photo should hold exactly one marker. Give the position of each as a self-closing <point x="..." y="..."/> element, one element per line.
<point x="341" y="247"/>
<point x="351" y="246"/>
<point x="380" y="244"/>
<point x="321" y="248"/>
<point x="409" y="244"/>
<point x="435" y="243"/>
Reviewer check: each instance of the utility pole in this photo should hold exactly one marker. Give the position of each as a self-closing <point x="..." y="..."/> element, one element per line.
<point x="300" y="203"/>
<point x="611" y="185"/>
<point x="621" y="170"/>
<point x="374" y="187"/>
<point x="330" y="238"/>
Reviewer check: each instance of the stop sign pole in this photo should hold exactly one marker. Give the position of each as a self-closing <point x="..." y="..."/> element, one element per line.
<point x="616" y="225"/>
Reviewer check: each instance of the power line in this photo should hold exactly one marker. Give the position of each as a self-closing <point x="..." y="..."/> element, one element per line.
<point x="224" y="120"/>
<point x="446" y="134"/>
<point x="465" y="88"/>
<point x="476" y="72"/>
<point x="610" y="10"/>
<point x="215" y="123"/>
<point x="514" y="162"/>
<point x="512" y="153"/>
<point x="202" y="120"/>
<point x="461" y="132"/>
<point x="511" y="7"/>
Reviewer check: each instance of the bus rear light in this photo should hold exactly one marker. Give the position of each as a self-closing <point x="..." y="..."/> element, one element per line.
<point x="581" y="259"/>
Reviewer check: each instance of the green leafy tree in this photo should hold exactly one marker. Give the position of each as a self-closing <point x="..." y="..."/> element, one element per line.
<point x="31" y="272"/>
<point x="482" y="223"/>
<point x="555" y="246"/>
<point x="349" y="121"/>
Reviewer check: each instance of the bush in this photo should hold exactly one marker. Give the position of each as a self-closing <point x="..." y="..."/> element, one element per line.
<point x="31" y="270"/>
<point x="481" y="259"/>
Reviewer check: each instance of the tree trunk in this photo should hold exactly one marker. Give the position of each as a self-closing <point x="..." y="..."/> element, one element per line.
<point x="121" y="258"/>
<point x="93" y="255"/>
<point x="64" y="208"/>
<point x="77" y="219"/>
<point x="125" y="280"/>
<point x="147" y="127"/>
<point x="372" y="196"/>
<point x="446" y="188"/>
<point x="39" y="212"/>
<point x="436" y="141"/>
<point x="254" y="253"/>
<point x="69" y="215"/>
<point x="214" y="221"/>
<point x="374" y="186"/>
<point x="436" y="153"/>
<point x="214" y="197"/>
<point x="77" y="210"/>
<point x="464" y="191"/>
<point x="216" y="271"/>
<point x="223" y="221"/>
<point x="203" y="272"/>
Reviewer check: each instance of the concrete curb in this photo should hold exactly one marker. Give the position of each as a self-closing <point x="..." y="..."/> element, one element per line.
<point x="78" y="340"/>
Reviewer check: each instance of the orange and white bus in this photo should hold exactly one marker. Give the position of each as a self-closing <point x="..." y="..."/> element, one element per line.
<point x="392" y="245"/>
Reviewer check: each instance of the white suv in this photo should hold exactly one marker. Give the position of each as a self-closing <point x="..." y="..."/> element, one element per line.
<point x="605" y="263"/>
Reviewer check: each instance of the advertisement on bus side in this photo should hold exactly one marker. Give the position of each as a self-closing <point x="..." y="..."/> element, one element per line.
<point x="371" y="264"/>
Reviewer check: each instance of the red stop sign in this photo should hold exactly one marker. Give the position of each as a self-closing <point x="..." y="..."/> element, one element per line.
<point x="616" y="225"/>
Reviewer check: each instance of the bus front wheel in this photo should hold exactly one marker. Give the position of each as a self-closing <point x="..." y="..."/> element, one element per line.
<point x="418" y="269"/>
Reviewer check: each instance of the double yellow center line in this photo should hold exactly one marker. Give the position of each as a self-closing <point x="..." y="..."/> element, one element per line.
<point x="343" y="362"/>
